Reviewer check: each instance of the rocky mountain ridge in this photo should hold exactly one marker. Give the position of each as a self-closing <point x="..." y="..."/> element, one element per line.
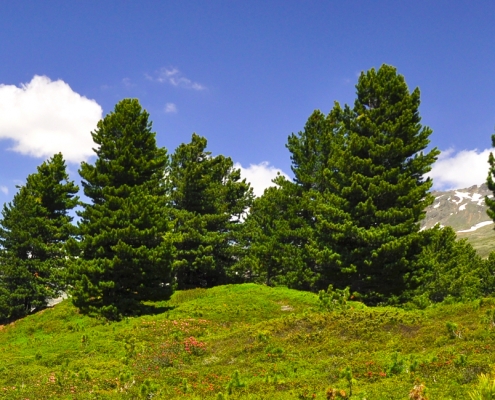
<point x="462" y="209"/>
<point x="465" y="211"/>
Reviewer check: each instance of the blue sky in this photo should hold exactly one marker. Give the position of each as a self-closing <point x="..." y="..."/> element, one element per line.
<point x="244" y="74"/>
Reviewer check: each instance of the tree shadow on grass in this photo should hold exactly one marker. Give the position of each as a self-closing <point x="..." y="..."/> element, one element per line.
<point x="153" y="309"/>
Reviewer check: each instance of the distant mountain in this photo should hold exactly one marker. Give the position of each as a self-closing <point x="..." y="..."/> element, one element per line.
<point x="465" y="211"/>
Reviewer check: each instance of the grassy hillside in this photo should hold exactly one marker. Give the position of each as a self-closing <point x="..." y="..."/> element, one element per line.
<point x="251" y="341"/>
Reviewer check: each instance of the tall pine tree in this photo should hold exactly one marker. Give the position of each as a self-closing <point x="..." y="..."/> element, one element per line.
<point x="491" y="183"/>
<point x="358" y="192"/>
<point x="125" y="255"/>
<point x="316" y="153"/>
<point x="385" y="192"/>
<point x="208" y="199"/>
<point x="34" y="230"/>
<point x="280" y="228"/>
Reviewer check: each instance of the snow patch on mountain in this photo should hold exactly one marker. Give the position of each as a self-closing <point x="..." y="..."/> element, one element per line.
<point x="461" y="209"/>
<point x="477" y="226"/>
<point x="461" y="196"/>
<point x="476" y="197"/>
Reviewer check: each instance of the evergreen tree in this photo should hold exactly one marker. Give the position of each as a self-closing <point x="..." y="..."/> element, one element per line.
<point x="384" y="190"/>
<point x="359" y="189"/>
<point x="491" y="183"/>
<point x="317" y="154"/>
<point x="276" y="240"/>
<point x="208" y="199"/>
<point x="125" y="253"/>
<point x="35" y="227"/>
<point x="447" y="267"/>
<point x="280" y="228"/>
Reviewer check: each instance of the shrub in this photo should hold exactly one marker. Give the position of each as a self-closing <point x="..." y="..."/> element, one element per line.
<point x="334" y="299"/>
<point x="485" y="389"/>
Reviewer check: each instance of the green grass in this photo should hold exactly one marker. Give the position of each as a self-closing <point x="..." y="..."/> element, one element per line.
<point x="247" y="342"/>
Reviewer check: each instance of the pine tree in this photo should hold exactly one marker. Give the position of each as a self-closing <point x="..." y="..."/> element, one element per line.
<point x="316" y="155"/>
<point x="125" y="254"/>
<point x="448" y="267"/>
<point x="34" y="230"/>
<point x="359" y="190"/>
<point x="276" y="240"/>
<point x="279" y="230"/>
<point x="208" y="199"/>
<point x="385" y="191"/>
<point x="491" y="183"/>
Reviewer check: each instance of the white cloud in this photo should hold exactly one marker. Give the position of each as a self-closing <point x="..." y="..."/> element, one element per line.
<point x="260" y="175"/>
<point x="175" y="78"/>
<point x="170" y="108"/>
<point x="4" y="189"/>
<point x="460" y="170"/>
<point x="44" y="117"/>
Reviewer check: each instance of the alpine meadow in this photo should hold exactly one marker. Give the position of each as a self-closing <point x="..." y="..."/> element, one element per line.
<point x="178" y="282"/>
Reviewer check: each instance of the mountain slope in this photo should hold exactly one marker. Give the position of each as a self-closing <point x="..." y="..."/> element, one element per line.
<point x="465" y="211"/>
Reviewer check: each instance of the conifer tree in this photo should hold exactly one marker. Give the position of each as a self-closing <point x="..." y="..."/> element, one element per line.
<point x="125" y="255"/>
<point x="276" y="240"/>
<point x="280" y="228"/>
<point x="448" y="267"/>
<point x="35" y="227"/>
<point x="385" y="192"/>
<point x="208" y="200"/>
<point x="359" y="189"/>
<point x="316" y="154"/>
<point x="491" y="183"/>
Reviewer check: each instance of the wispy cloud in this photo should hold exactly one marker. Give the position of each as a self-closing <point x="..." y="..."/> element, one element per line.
<point x="44" y="117"/>
<point x="127" y="83"/>
<point x="4" y="189"/>
<point x="170" y="108"/>
<point x="458" y="170"/>
<point x="260" y="175"/>
<point x="174" y="77"/>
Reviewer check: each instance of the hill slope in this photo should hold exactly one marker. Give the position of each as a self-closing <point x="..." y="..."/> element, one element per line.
<point x="251" y="341"/>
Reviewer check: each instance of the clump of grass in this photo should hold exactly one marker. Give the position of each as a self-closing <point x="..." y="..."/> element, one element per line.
<point x="485" y="389"/>
<point x="183" y="296"/>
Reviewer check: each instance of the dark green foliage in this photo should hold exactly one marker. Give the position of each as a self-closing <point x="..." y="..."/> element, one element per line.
<point x="35" y="227"/>
<point x="125" y="257"/>
<point x="382" y="171"/>
<point x="491" y="183"/>
<point x="450" y="268"/>
<point x="208" y="199"/>
<point x="358" y="192"/>
<point x="276" y="239"/>
<point x="235" y="383"/>
<point x="283" y="224"/>
<point x="317" y="157"/>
